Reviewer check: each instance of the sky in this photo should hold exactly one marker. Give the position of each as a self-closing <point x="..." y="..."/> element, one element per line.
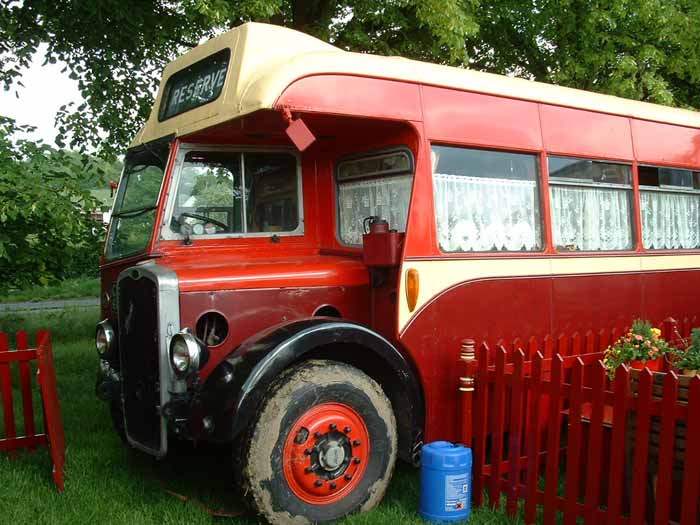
<point x="45" y="90"/>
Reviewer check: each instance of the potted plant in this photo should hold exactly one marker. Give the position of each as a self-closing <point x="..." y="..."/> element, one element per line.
<point x="687" y="361"/>
<point x="641" y="347"/>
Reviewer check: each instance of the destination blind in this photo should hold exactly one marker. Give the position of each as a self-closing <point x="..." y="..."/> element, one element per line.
<point x="199" y="84"/>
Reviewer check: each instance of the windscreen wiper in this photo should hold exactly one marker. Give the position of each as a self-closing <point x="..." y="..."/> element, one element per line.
<point x="133" y="213"/>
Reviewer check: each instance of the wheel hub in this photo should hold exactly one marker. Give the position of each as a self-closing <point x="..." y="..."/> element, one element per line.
<point x="331" y="456"/>
<point x="326" y="453"/>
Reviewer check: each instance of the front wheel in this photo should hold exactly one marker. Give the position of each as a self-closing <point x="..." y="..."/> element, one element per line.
<point x="323" y="445"/>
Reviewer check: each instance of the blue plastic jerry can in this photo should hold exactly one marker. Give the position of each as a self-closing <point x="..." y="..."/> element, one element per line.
<point x="445" y="482"/>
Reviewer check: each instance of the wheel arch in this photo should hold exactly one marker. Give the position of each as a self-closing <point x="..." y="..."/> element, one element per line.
<point x="332" y="339"/>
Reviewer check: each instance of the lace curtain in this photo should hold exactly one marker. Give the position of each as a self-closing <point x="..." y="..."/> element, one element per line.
<point x="591" y="218"/>
<point x="670" y="220"/>
<point x="385" y="197"/>
<point x="484" y="214"/>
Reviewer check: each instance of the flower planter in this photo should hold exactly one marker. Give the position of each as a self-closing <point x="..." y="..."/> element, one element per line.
<point x="655" y="365"/>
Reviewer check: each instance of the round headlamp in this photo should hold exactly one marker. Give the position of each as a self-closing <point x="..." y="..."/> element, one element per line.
<point x="185" y="354"/>
<point x="104" y="338"/>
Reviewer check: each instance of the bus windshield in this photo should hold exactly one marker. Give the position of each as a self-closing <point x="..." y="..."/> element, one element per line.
<point x="137" y="201"/>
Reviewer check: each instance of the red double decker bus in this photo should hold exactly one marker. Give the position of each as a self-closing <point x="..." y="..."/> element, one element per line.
<point x="302" y="236"/>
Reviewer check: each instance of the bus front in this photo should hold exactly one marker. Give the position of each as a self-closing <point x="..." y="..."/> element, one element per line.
<point x="233" y="311"/>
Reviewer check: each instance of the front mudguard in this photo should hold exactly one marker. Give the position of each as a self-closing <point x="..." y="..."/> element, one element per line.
<point x="233" y="393"/>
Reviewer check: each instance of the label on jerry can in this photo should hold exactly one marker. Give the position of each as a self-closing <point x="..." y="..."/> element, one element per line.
<point x="456" y="491"/>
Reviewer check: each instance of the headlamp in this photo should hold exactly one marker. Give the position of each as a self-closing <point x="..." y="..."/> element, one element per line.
<point x="104" y="338"/>
<point x="185" y="354"/>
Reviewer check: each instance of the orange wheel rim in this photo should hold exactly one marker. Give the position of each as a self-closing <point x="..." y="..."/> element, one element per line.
<point x="326" y="453"/>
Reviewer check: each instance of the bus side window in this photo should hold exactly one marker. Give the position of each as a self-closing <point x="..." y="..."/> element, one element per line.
<point x="591" y="204"/>
<point x="486" y="200"/>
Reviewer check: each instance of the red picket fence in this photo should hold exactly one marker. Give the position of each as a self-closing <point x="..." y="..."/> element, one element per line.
<point x="554" y="433"/>
<point x="53" y="435"/>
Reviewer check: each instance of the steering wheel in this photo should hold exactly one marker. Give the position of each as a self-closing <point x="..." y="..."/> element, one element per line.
<point x="204" y="218"/>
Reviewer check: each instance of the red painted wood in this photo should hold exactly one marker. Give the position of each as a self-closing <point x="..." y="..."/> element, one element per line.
<point x="691" y="468"/>
<point x="576" y="348"/>
<point x="498" y="414"/>
<point x="603" y="339"/>
<point x="594" y="135"/>
<point x="480" y="422"/>
<point x="469" y="118"/>
<point x="666" y="439"/>
<point x="548" y="347"/>
<point x="618" y="445"/>
<point x="26" y="387"/>
<point x="595" y="442"/>
<point x="573" y="449"/>
<point x="8" y="410"/>
<point x="29" y="442"/>
<point x="641" y="448"/>
<point x="590" y="342"/>
<point x="553" y="442"/>
<point x="533" y="442"/>
<point x="515" y="435"/>
<point x="52" y="410"/>
<point x="563" y="348"/>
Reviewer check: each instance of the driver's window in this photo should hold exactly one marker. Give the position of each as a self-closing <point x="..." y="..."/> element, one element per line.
<point x="209" y="198"/>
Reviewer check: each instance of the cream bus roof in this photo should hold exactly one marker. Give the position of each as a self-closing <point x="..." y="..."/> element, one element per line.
<point x="265" y="59"/>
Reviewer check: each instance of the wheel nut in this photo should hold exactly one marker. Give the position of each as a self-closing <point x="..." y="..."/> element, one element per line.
<point x="348" y="477"/>
<point x="356" y="443"/>
<point x="332" y="426"/>
<point x="333" y="485"/>
<point x="347" y="430"/>
<point x="318" y="482"/>
<point x="356" y="461"/>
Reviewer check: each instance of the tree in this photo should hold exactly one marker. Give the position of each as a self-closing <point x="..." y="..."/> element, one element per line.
<point x="116" y="49"/>
<point x="46" y="231"/>
<point x="640" y="49"/>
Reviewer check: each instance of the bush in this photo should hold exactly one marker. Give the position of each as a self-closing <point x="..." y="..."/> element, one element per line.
<point x="46" y="231"/>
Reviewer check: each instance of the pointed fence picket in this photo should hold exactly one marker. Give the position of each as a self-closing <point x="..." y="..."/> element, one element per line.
<point x="602" y="445"/>
<point x="27" y="359"/>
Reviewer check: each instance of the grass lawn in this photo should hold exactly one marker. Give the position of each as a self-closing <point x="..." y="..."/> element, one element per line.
<point x="107" y="483"/>
<point x="69" y="289"/>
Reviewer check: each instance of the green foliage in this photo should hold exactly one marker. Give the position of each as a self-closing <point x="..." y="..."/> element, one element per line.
<point x="72" y="288"/>
<point x="46" y="232"/>
<point x="641" y="343"/>
<point x="116" y="49"/>
<point x="689" y="358"/>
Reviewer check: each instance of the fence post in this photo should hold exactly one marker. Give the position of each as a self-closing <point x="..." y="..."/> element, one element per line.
<point x="466" y="386"/>
<point x="670" y="331"/>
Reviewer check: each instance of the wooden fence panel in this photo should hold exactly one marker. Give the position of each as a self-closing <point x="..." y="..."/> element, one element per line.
<point x="533" y="449"/>
<point x="595" y="441"/>
<point x="573" y="464"/>
<point x="515" y="431"/>
<point x="8" y="408"/>
<point x="691" y="469"/>
<point x="540" y="416"/>
<point x="25" y="379"/>
<point x="551" y="483"/>
<point x="667" y="438"/>
<point x="641" y="447"/>
<point x="498" y="413"/>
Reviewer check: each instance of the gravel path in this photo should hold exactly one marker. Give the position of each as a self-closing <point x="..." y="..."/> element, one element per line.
<point x="50" y="305"/>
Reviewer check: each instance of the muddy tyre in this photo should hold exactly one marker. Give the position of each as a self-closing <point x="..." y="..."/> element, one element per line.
<point x="322" y="446"/>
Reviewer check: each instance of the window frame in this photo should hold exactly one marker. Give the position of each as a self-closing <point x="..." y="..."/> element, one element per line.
<point x="366" y="154"/>
<point x="582" y="183"/>
<point x="540" y="191"/>
<point x="665" y="188"/>
<point x="168" y="235"/>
